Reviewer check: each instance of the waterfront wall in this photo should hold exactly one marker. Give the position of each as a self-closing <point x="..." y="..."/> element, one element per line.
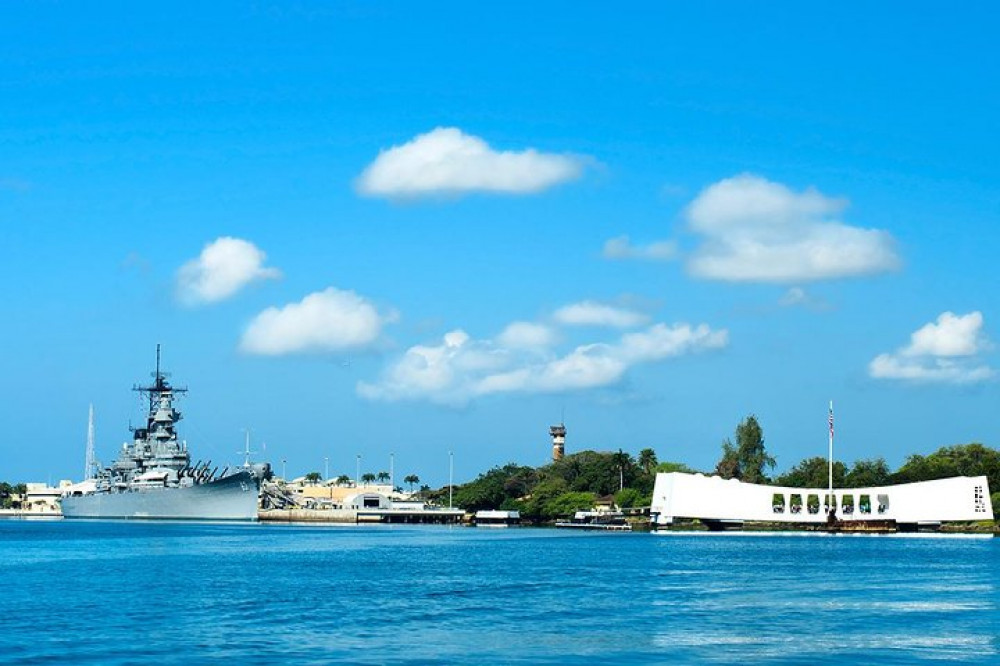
<point x="308" y="515"/>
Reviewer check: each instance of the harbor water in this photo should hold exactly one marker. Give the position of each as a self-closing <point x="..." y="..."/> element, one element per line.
<point x="184" y="593"/>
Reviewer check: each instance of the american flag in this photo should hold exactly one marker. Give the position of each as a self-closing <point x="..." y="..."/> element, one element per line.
<point x="831" y="421"/>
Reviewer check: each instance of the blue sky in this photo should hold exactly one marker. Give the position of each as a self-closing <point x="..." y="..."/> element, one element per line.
<point x="385" y="227"/>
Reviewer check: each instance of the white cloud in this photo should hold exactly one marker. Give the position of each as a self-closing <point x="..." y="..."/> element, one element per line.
<point x="755" y="230"/>
<point x="952" y="335"/>
<point x="591" y="313"/>
<point x="224" y="266"/>
<point x="621" y="247"/>
<point x="448" y="162"/>
<point x="443" y="373"/>
<point x="324" y="321"/>
<point x="944" y="351"/>
<point x="460" y="369"/>
<point x="527" y="335"/>
<point x="660" y="341"/>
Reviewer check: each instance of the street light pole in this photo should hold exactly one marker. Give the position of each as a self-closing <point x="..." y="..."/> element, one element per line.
<point x="283" y="476"/>
<point x="326" y="469"/>
<point x="451" y="473"/>
<point x="357" y="474"/>
<point x="392" y="472"/>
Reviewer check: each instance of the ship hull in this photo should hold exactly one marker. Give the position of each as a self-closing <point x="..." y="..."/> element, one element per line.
<point x="231" y="498"/>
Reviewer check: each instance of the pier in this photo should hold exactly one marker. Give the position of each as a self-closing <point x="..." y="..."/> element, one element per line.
<point x="427" y="515"/>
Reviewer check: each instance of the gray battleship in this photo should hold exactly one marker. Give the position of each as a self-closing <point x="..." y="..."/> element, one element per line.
<point x="153" y="478"/>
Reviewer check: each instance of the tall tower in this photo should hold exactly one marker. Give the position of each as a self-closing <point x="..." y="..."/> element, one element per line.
<point x="88" y="472"/>
<point x="558" y="433"/>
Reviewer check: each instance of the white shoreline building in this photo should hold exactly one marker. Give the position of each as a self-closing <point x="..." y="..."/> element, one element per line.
<point x="715" y="500"/>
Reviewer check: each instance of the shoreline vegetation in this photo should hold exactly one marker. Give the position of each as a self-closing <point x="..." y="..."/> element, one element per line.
<point x="589" y="478"/>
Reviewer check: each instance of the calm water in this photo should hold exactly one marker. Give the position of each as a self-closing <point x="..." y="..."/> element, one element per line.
<point x="119" y="593"/>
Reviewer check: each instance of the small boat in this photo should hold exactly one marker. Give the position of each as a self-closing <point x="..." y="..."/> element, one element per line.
<point x="495" y="518"/>
<point x="597" y="520"/>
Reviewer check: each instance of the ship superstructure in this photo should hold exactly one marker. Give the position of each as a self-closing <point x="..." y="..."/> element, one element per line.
<point x="153" y="477"/>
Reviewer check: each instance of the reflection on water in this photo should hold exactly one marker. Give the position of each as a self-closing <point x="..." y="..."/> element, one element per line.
<point x="183" y="593"/>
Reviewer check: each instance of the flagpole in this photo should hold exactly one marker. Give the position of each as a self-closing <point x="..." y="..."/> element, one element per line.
<point x="833" y="503"/>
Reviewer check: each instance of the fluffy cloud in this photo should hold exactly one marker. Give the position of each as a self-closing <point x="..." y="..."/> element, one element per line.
<point x="947" y="350"/>
<point x="444" y="373"/>
<point x="527" y="335"/>
<point x="755" y="230"/>
<point x="460" y="368"/>
<point x="622" y="248"/>
<point x="224" y="267"/>
<point x="660" y="341"/>
<point x="329" y="320"/>
<point x="952" y="335"/>
<point x="448" y="162"/>
<point x="590" y="313"/>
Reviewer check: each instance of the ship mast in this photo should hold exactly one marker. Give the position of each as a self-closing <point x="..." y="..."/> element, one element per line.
<point x="90" y="464"/>
<point x="246" y="451"/>
<point x="160" y="385"/>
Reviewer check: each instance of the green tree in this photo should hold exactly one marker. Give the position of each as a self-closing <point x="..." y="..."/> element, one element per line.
<point x="961" y="460"/>
<point x="647" y="460"/>
<point x="411" y="480"/>
<point x="868" y="473"/>
<point x="520" y="481"/>
<point x="313" y="477"/>
<point x="592" y="471"/>
<point x="383" y="477"/>
<point x="667" y="467"/>
<point x="492" y="488"/>
<point x="728" y="466"/>
<point x="368" y="478"/>
<point x="566" y="504"/>
<point x="622" y="460"/>
<point x="343" y="480"/>
<point x="752" y="454"/>
<point x="813" y="473"/>
<point x="631" y="497"/>
<point x="747" y="459"/>
<point x="535" y="506"/>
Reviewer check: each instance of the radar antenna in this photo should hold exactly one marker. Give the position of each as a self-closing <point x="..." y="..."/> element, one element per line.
<point x="246" y="450"/>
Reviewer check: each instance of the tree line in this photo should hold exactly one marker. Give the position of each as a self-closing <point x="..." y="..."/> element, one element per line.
<point x="368" y="478"/>
<point x="560" y="488"/>
<point x="747" y="460"/>
<point x="576" y="482"/>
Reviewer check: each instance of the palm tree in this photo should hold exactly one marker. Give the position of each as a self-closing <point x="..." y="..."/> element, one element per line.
<point x="367" y="478"/>
<point x="412" y="479"/>
<point x="313" y="477"/>
<point x="383" y="477"/>
<point x="647" y="460"/>
<point x="343" y="480"/>
<point x="621" y="459"/>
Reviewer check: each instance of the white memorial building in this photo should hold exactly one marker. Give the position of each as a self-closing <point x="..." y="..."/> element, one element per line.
<point x="718" y="502"/>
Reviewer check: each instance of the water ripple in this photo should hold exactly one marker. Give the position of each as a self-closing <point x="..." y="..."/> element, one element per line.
<point x="126" y="593"/>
